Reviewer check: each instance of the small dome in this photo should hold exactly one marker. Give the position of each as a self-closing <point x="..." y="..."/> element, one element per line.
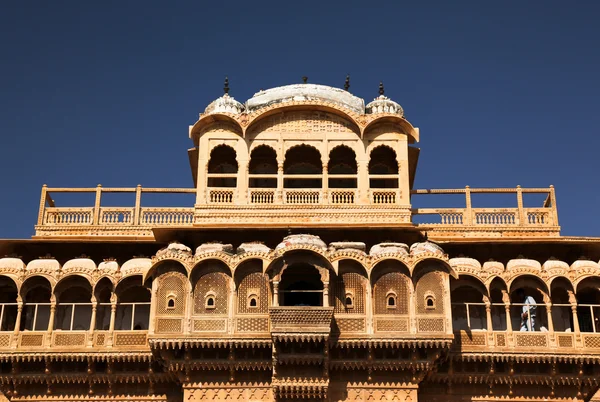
<point x="389" y="248"/>
<point x="253" y="247"/>
<point x="425" y="247"/>
<point x="213" y="248"/>
<point x="383" y="104"/>
<point x="224" y="104"/>
<point x="301" y="239"/>
<point x="348" y="245"/>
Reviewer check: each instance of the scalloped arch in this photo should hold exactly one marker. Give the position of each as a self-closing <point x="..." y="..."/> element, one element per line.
<point x="222" y="261"/>
<point x="411" y="132"/>
<point x="156" y="264"/>
<point x="196" y="131"/>
<point x="443" y="261"/>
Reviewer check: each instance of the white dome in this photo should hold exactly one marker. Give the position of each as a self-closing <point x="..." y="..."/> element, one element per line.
<point x="383" y="104"/>
<point x="306" y="92"/>
<point x="224" y="104"/>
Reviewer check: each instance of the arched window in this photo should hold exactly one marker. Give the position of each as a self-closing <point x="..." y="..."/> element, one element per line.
<point x="8" y="304"/>
<point x="210" y="301"/>
<point x="468" y="308"/>
<point x="133" y="305"/>
<point x="36" y="310"/>
<point x="301" y="286"/>
<point x="349" y="301"/>
<point x="588" y="305"/>
<point x="253" y="301"/>
<point x="222" y="167"/>
<point x="391" y="300"/>
<point x="302" y="160"/>
<point x="383" y="163"/>
<point x="74" y="304"/>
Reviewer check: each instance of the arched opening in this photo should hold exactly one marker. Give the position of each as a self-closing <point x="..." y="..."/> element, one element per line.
<point x="342" y="168"/>
<point x="36" y="293"/>
<point x="383" y="168"/>
<point x="588" y="305"/>
<point x="528" y="310"/>
<point x="103" y="292"/>
<point x="8" y="304"/>
<point x="301" y="285"/>
<point x="74" y="304"/>
<point x="468" y="307"/>
<point x="562" y="318"/>
<point x="303" y="168"/>
<point x="263" y="167"/>
<point x="222" y="167"/>
<point x="133" y="305"/>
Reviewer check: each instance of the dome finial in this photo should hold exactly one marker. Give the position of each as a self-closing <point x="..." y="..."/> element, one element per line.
<point x="304" y="79"/>
<point x="347" y="83"/>
<point x="226" y="87"/>
<point x="381" y="90"/>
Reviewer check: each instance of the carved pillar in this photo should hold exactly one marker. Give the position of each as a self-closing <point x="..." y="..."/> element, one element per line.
<point x="242" y="182"/>
<point x="490" y="324"/>
<point x="362" y="182"/>
<point x="325" y="183"/>
<point x="113" y="314"/>
<point x="369" y="308"/>
<point x="279" y="195"/>
<point x="325" y="294"/>
<point x="573" y="302"/>
<point x="231" y="305"/>
<point x="521" y="215"/>
<point x="468" y="218"/>
<point x="275" y="293"/>
<point x="97" y="205"/>
<point x="548" y="303"/>
<point x="18" y="321"/>
<point x="92" y="322"/>
<point x="506" y="300"/>
<point x="52" y="313"/>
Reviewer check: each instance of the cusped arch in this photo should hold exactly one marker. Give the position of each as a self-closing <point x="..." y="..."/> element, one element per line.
<point x="33" y="282"/>
<point x="411" y="132"/>
<point x="221" y="260"/>
<point x="299" y="254"/>
<point x="469" y="280"/>
<point x="166" y="265"/>
<point x="347" y="116"/>
<point x="421" y="263"/>
<point x="203" y="125"/>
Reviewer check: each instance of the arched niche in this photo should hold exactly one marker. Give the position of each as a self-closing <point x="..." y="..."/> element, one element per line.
<point x="73" y="304"/>
<point x="302" y="160"/>
<point x="349" y="288"/>
<point x="252" y="288"/>
<point x="468" y="296"/>
<point x="562" y="318"/>
<point x="211" y="281"/>
<point x="263" y="161"/>
<point x="588" y="304"/>
<point x="172" y="288"/>
<point x="8" y="303"/>
<point x="431" y="282"/>
<point x="36" y="293"/>
<point x="222" y="162"/>
<point x="392" y="288"/>
<point x="342" y="163"/>
<point x="383" y="162"/>
<point x="521" y="289"/>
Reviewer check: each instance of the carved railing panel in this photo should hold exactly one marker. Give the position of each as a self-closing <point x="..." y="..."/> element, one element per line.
<point x="261" y="195"/>
<point x="167" y="216"/>
<point x="383" y="196"/>
<point x="116" y="216"/>
<point x="69" y="216"/>
<point x="345" y="196"/>
<point x="220" y="195"/>
<point x="302" y="196"/>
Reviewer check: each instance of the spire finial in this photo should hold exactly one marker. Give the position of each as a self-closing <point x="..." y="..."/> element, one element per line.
<point x="304" y="79"/>
<point x="381" y="90"/>
<point x="226" y="87"/>
<point x="347" y="83"/>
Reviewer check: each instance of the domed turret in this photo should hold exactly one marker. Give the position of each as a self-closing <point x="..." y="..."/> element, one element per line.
<point x="383" y="104"/>
<point x="224" y="104"/>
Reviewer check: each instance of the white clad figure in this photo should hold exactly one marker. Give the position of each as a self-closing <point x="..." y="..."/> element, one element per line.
<point x="528" y="311"/>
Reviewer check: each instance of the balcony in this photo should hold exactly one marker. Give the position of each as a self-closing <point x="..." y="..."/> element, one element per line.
<point x="74" y="340"/>
<point x="301" y="321"/>
<point x="300" y="207"/>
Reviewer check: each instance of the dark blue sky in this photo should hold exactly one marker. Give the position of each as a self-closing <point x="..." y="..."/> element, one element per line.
<point x="504" y="92"/>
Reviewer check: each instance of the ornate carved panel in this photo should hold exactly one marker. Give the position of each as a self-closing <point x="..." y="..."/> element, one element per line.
<point x="350" y="284"/>
<point x="304" y="122"/>
<point x="213" y="285"/>
<point x="171" y="294"/>
<point x="430" y="293"/>
<point x="253" y="285"/>
<point x="392" y="284"/>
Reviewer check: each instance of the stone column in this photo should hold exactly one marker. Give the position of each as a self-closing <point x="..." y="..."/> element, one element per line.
<point x="242" y="183"/>
<point x="506" y="300"/>
<point x="325" y="185"/>
<point x="92" y="322"/>
<point x="279" y="195"/>
<point x="325" y="294"/>
<point x="52" y="314"/>
<point x="275" y="293"/>
<point x="18" y="322"/>
<point x="369" y="308"/>
<point x="362" y="182"/>
<point x="576" y="330"/>
<point x="490" y="323"/>
<point x="113" y="314"/>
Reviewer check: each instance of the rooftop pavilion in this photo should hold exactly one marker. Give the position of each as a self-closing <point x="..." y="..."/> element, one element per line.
<point x="301" y="156"/>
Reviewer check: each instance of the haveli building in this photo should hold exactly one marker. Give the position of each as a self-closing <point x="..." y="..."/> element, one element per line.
<point x="305" y="269"/>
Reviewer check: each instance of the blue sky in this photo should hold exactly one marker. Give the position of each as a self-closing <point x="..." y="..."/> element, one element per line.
<point x="504" y="93"/>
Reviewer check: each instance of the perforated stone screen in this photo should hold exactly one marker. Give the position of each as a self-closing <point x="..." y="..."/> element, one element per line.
<point x="254" y="283"/>
<point x="391" y="283"/>
<point x="354" y="284"/>
<point x="212" y="283"/>
<point x="431" y="283"/>
<point x="171" y="286"/>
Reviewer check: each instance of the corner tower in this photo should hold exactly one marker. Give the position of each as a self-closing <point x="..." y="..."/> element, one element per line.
<point x="303" y="155"/>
